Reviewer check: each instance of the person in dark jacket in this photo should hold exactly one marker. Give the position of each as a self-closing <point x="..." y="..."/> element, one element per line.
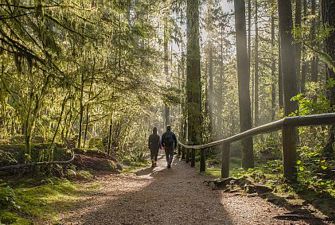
<point x="169" y="142"/>
<point x="154" y="145"/>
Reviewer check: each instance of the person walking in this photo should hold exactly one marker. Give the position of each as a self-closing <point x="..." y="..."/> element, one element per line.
<point x="154" y="145"/>
<point x="169" y="142"/>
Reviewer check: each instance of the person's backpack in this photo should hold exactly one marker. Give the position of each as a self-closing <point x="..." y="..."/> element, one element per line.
<point x="168" y="140"/>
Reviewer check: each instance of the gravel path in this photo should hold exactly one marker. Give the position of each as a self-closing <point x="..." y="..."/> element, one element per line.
<point x="170" y="196"/>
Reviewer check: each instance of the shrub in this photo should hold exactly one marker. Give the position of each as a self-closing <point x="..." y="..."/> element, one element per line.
<point x="7" y="198"/>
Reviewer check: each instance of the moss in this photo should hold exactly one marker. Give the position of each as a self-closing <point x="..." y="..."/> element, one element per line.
<point x="214" y="170"/>
<point x="132" y="167"/>
<point x="43" y="200"/>
<point x="13" y="218"/>
<point x="84" y="174"/>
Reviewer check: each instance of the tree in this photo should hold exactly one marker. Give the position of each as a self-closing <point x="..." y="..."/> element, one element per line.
<point x="314" y="63"/>
<point x="256" y="71"/>
<point x="297" y="26"/>
<point x="243" y="74"/>
<point x="289" y="79"/>
<point x="166" y="66"/>
<point x="304" y="63"/>
<point x="273" y="64"/>
<point x="193" y="83"/>
<point x="328" y="20"/>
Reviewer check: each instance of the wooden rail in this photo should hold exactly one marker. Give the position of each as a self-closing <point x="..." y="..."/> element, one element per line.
<point x="289" y="149"/>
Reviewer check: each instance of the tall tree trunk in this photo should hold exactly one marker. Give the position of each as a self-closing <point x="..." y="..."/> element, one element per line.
<point x="314" y="63"/>
<point x="87" y="119"/>
<point x="193" y="84"/>
<point x="280" y="79"/>
<point x="288" y="60"/>
<point x="328" y="20"/>
<point x="221" y="88"/>
<point x="243" y="82"/>
<point x="210" y="90"/>
<point x="298" y="44"/>
<point x="288" y="68"/>
<point x="256" y="77"/>
<point x="273" y="67"/>
<point x="57" y="127"/>
<point x="249" y="60"/>
<point x="81" y="109"/>
<point x="110" y="136"/>
<point x="166" y="68"/>
<point x="304" y="66"/>
<point x="210" y="95"/>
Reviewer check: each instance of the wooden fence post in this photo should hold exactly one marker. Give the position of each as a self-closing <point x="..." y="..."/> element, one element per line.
<point x="183" y="153"/>
<point x="187" y="159"/>
<point x="289" y="152"/>
<point x="225" y="160"/>
<point x="202" y="160"/>
<point x="193" y="158"/>
<point x="179" y="151"/>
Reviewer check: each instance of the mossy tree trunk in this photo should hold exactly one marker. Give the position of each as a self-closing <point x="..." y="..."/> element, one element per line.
<point x="328" y="20"/>
<point x="289" y="79"/>
<point x="193" y="83"/>
<point x="243" y="73"/>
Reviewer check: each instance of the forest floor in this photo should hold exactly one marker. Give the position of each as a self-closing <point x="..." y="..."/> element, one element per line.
<point x="172" y="196"/>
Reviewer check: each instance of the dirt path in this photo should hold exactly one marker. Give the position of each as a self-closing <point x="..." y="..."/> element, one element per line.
<point x="170" y="196"/>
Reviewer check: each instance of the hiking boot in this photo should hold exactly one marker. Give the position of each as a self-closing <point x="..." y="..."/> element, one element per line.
<point x="169" y="166"/>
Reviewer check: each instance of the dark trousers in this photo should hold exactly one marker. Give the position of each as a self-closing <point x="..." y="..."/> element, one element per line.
<point x="169" y="155"/>
<point x="153" y="154"/>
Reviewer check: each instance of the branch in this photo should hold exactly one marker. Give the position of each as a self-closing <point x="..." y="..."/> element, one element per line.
<point x="18" y="166"/>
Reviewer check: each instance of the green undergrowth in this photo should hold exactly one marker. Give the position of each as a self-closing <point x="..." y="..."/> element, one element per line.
<point x="311" y="187"/>
<point x="213" y="166"/>
<point x="133" y="166"/>
<point x="28" y="200"/>
<point x="271" y="175"/>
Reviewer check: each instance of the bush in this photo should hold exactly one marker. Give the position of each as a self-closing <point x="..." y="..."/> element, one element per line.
<point x="96" y="143"/>
<point x="7" y="198"/>
<point x="268" y="148"/>
<point x="8" y="218"/>
<point x="7" y="158"/>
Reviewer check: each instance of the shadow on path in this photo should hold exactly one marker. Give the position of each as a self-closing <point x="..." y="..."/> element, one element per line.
<point x="171" y="196"/>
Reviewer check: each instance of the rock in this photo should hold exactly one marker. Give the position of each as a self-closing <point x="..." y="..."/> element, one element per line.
<point x="256" y="188"/>
<point x="222" y="184"/>
<point x="97" y="164"/>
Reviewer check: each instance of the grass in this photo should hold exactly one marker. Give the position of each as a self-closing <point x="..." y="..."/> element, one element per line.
<point x="29" y="200"/>
<point x="215" y="171"/>
<point x="316" y="190"/>
<point x="132" y="167"/>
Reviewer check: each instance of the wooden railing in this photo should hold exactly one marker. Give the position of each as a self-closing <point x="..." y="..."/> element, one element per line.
<point x="18" y="166"/>
<point x="289" y="148"/>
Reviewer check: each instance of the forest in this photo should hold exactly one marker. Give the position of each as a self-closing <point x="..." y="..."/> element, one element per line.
<point x="83" y="83"/>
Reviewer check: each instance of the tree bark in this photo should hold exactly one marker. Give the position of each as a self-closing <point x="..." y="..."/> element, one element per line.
<point x="304" y="66"/>
<point x="166" y="68"/>
<point x="256" y="67"/>
<point x="221" y="88"/>
<point x="314" y="63"/>
<point x="249" y="60"/>
<point x="298" y="44"/>
<point x="243" y="82"/>
<point x="273" y="67"/>
<point x="81" y="109"/>
<point x="280" y="79"/>
<point x="328" y="21"/>
<point x="193" y="84"/>
<point x="288" y="68"/>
